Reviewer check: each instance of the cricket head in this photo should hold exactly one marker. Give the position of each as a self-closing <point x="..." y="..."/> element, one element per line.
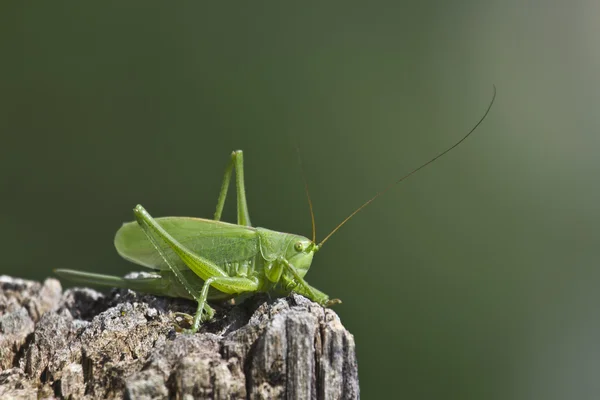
<point x="299" y="253"/>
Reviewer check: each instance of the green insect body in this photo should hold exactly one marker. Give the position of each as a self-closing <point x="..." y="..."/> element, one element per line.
<point x="204" y="259"/>
<point x="258" y="254"/>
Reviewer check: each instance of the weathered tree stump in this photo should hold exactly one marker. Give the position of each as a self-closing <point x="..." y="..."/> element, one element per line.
<point x="82" y="344"/>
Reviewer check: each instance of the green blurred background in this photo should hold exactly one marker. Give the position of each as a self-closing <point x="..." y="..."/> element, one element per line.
<point x="475" y="279"/>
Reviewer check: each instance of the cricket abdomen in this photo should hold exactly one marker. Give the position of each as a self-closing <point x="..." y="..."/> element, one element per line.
<point x="242" y="268"/>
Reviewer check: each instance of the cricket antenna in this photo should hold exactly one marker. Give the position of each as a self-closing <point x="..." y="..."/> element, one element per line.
<point x="310" y="206"/>
<point x="379" y="194"/>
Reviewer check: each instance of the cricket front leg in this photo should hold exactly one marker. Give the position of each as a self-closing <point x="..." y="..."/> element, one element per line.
<point x="323" y="299"/>
<point x="237" y="162"/>
<point x="307" y="290"/>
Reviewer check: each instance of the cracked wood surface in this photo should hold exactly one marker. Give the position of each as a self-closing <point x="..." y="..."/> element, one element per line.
<point x="82" y="344"/>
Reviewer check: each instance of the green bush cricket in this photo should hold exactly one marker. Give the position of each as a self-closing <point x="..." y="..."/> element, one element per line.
<point x="202" y="259"/>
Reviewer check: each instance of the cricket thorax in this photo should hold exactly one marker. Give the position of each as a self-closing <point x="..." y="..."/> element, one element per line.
<point x="296" y="249"/>
<point x="272" y="244"/>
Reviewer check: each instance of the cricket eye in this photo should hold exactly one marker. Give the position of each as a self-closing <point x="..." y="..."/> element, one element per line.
<point x="298" y="247"/>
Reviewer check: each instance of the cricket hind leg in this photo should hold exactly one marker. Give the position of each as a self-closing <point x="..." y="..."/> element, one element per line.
<point x="173" y="253"/>
<point x="147" y="283"/>
<point x="236" y="161"/>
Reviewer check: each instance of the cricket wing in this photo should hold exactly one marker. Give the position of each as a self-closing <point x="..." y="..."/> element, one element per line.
<point x="217" y="241"/>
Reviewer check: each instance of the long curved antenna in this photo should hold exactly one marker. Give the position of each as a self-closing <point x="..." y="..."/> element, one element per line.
<point x="310" y="206"/>
<point x="379" y="194"/>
